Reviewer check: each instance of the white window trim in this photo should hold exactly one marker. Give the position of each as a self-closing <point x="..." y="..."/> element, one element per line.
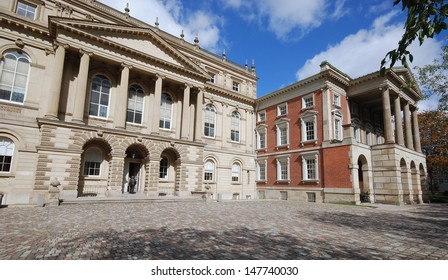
<point x="309" y="116"/>
<point x="240" y="173"/>
<point x="239" y="127"/>
<point x="258" y="116"/>
<point x="215" y="120"/>
<point x="172" y="112"/>
<point x="304" y="107"/>
<point x="278" y="110"/>
<point x="305" y="157"/>
<point x="258" y="178"/>
<point x="279" y="171"/>
<point x="213" y="171"/>
<point x="27" y="77"/>
<point x="337" y="100"/>
<point x="143" y="106"/>
<point x="237" y="85"/>
<point x="278" y="125"/>
<point x="262" y="128"/>
<point x="337" y="116"/>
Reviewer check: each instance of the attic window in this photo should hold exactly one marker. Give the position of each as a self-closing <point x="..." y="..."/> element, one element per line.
<point x="25" y="9"/>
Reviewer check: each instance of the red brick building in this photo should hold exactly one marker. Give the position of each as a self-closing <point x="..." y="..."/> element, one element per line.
<point x="331" y="138"/>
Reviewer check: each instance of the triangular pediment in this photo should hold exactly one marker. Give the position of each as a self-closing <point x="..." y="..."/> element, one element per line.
<point x="136" y="41"/>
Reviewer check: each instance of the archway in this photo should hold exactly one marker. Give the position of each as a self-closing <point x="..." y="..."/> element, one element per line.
<point x="364" y="179"/>
<point x="423" y="185"/>
<point x="135" y="167"/>
<point x="94" y="171"/>
<point x="169" y="172"/>
<point x="415" y="184"/>
<point x="406" y="184"/>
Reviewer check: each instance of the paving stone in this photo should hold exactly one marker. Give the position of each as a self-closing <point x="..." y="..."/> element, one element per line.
<point x="224" y="230"/>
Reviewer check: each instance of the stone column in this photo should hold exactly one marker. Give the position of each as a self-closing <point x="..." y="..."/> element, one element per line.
<point x="418" y="146"/>
<point x="156" y="106"/>
<point x="56" y="82"/>
<point x="81" y="87"/>
<point x="407" y="122"/>
<point x="387" y="117"/>
<point x="398" y="121"/>
<point x="186" y="113"/>
<point x="122" y="98"/>
<point x="198" y="121"/>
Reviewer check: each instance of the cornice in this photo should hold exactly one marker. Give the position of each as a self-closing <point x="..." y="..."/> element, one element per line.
<point x="228" y="94"/>
<point x="23" y="23"/>
<point x="75" y="27"/>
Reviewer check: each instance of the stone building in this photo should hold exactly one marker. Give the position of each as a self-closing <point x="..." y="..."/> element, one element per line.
<point x="90" y="96"/>
<point x="331" y="138"/>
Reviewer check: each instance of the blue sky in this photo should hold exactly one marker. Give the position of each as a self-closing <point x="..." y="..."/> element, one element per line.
<point x="288" y="39"/>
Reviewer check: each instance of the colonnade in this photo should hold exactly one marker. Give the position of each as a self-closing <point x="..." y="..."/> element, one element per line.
<point x="410" y="136"/>
<point x="188" y="131"/>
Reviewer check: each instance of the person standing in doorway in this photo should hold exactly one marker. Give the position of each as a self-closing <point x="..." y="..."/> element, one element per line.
<point x="132" y="183"/>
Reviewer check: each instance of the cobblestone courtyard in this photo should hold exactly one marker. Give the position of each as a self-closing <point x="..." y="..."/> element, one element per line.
<point x="224" y="230"/>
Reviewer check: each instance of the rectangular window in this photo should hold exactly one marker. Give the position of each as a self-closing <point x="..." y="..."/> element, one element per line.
<point x="26" y="10"/>
<point x="337" y="129"/>
<point x="308" y="101"/>
<point x="262" y="116"/>
<point x="261" y="171"/>
<point x="311" y="169"/>
<point x="283" y="169"/>
<point x="309" y="130"/>
<point x="236" y="86"/>
<point x="213" y="78"/>
<point x="92" y="168"/>
<point x="337" y="100"/>
<point x="282" y="110"/>
<point x="5" y="163"/>
<point x="262" y="139"/>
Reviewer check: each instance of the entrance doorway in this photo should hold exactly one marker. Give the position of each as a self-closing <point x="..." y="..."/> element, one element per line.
<point x="132" y="168"/>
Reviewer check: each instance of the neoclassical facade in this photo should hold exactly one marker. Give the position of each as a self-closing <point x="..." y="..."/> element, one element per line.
<point x="90" y="96"/>
<point x="331" y="138"/>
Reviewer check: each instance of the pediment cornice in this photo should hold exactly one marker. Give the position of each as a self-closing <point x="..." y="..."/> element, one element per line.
<point x="90" y="30"/>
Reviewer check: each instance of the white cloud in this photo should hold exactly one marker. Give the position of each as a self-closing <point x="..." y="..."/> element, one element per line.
<point x="173" y="18"/>
<point x="361" y="53"/>
<point x="285" y="18"/>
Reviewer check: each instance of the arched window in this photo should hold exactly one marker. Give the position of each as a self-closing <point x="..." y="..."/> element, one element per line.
<point x="166" y="110"/>
<point x="209" y="170"/>
<point x="92" y="161"/>
<point x="6" y="154"/>
<point x="164" y="164"/>
<point x="135" y="104"/>
<point x="236" y="171"/>
<point x="14" y="71"/>
<point x="235" y="127"/>
<point x="99" y="96"/>
<point x="210" y="119"/>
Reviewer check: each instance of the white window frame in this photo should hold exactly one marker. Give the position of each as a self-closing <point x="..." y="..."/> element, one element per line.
<point x="309" y="117"/>
<point x="261" y="166"/>
<point x="280" y="125"/>
<point x="261" y="133"/>
<point x="305" y="99"/>
<point x="279" y="110"/>
<point x="209" y="168"/>
<point x="337" y="100"/>
<point x="93" y="155"/>
<point x="13" y="88"/>
<point x="163" y="107"/>
<point x="337" y="126"/>
<point x="25" y="7"/>
<point x="236" y="86"/>
<point x="236" y="173"/>
<point x="306" y="157"/>
<point x="212" y="78"/>
<point x="209" y="109"/>
<point x="261" y="116"/>
<point x="7" y="149"/>
<point x="101" y="93"/>
<point x="235" y="125"/>
<point x="138" y="92"/>
<point x="283" y="162"/>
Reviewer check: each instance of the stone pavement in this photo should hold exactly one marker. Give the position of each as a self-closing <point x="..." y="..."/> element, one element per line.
<point x="223" y="230"/>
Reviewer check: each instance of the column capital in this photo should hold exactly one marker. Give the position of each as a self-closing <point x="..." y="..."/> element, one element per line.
<point x="57" y="44"/>
<point x="160" y="76"/>
<point x="82" y="52"/>
<point x="125" y="65"/>
<point x="384" y="88"/>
